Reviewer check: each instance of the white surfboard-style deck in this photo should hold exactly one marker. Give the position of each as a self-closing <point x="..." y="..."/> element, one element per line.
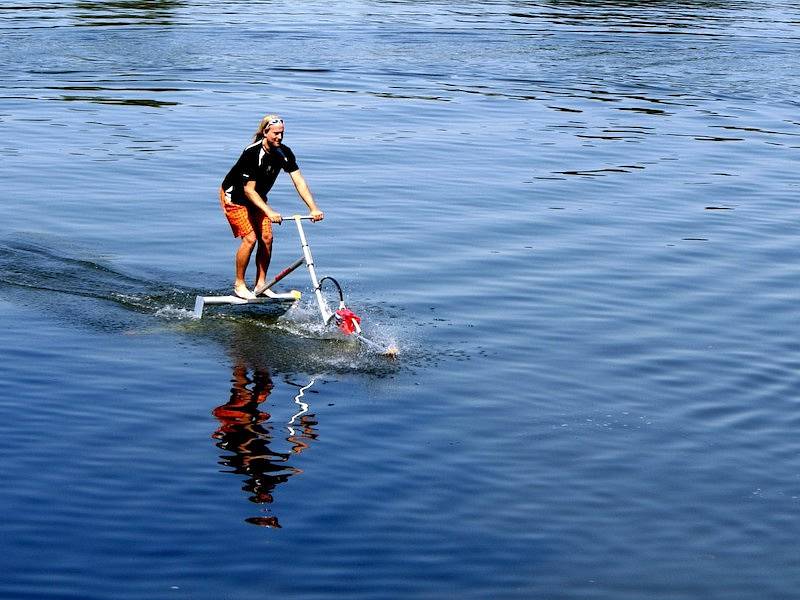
<point x="202" y="301"/>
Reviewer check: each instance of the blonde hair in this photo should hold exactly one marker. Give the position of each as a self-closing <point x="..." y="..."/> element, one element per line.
<point x="263" y="125"/>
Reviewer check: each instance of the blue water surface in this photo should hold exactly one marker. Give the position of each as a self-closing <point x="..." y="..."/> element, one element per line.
<point x="576" y="221"/>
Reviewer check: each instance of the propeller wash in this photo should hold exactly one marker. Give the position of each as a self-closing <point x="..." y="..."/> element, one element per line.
<point x="343" y="318"/>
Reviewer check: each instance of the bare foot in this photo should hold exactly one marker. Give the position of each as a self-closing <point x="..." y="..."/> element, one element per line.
<point x="242" y="292"/>
<point x="260" y="288"/>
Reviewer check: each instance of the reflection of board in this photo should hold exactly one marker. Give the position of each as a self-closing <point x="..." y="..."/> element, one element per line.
<point x="279" y="301"/>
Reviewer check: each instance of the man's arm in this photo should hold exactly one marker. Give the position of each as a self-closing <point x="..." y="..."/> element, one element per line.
<point x="305" y="194"/>
<point x="252" y="195"/>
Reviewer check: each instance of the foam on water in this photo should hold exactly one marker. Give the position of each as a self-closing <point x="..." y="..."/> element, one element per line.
<point x="37" y="268"/>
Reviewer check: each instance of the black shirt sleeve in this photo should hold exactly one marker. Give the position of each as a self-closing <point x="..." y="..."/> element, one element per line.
<point x="245" y="169"/>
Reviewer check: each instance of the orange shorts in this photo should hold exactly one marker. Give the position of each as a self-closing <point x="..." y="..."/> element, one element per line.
<point x="245" y="219"/>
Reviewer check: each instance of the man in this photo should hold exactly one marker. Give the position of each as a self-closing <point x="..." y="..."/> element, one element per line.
<point x="243" y="195"/>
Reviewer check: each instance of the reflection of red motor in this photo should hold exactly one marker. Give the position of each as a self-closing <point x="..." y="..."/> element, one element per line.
<point x="348" y="321"/>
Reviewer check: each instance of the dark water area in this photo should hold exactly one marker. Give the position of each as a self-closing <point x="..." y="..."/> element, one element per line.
<point x="577" y="221"/>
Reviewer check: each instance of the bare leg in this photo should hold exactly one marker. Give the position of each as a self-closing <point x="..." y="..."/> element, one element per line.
<point x="263" y="256"/>
<point x="243" y="255"/>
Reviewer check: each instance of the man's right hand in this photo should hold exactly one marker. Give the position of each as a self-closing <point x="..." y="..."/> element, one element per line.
<point x="274" y="217"/>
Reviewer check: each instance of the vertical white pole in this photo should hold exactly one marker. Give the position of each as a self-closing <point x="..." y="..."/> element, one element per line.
<point x="327" y="314"/>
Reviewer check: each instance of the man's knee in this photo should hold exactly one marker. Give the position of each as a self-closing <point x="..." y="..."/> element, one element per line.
<point x="249" y="239"/>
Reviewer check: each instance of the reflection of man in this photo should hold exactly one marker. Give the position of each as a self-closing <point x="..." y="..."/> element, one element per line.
<point x="244" y="432"/>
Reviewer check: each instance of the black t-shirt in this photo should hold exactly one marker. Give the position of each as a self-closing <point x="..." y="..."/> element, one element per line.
<point x="256" y="164"/>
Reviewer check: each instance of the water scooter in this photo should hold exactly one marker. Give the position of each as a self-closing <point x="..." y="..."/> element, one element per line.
<point x="343" y="318"/>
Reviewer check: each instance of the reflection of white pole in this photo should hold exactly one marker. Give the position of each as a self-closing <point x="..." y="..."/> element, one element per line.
<point x="303" y="406"/>
<point x="327" y="314"/>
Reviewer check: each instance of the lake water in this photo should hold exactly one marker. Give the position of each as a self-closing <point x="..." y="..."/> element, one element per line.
<point x="577" y="220"/>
